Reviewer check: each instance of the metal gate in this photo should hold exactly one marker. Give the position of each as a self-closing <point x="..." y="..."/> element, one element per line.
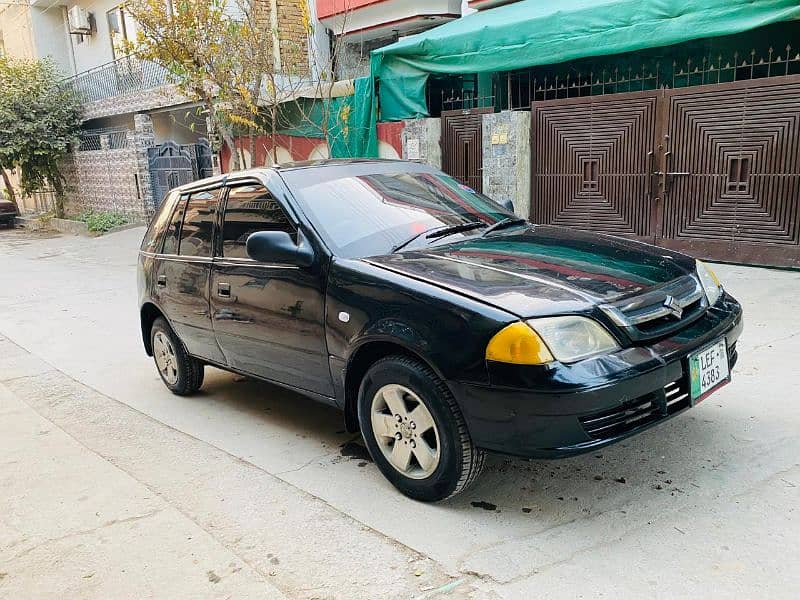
<point x="171" y="165"/>
<point x="713" y="170"/>
<point x="462" y="145"/>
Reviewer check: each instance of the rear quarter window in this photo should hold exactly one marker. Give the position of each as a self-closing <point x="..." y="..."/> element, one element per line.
<point x="155" y="232"/>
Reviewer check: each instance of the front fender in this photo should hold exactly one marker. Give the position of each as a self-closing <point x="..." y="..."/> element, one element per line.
<point x="449" y="331"/>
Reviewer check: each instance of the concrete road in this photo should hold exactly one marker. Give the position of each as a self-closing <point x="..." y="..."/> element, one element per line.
<point x="706" y="504"/>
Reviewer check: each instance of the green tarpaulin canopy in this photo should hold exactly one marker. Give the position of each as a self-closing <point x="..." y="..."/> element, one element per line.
<point x="538" y="32"/>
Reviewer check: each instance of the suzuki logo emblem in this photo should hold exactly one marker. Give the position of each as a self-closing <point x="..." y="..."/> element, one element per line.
<point x="673" y="307"/>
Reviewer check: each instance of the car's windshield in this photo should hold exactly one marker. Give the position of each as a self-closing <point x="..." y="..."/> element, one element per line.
<point x="370" y="214"/>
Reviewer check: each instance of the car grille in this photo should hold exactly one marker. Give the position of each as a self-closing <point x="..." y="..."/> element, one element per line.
<point x="654" y="313"/>
<point x="638" y="412"/>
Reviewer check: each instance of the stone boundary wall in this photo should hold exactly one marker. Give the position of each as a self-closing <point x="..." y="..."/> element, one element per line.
<point x="506" y="149"/>
<point x="113" y="180"/>
<point x="421" y="141"/>
<point x="507" y="159"/>
<point x="104" y="180"/>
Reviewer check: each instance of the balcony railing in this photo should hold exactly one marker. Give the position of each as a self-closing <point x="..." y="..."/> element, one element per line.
<point x="122" y="76"/>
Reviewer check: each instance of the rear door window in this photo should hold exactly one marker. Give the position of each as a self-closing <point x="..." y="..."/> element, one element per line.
<point x="197" y="232"/>
<point x="174" y="229"/>
<point x="250" y="208"/>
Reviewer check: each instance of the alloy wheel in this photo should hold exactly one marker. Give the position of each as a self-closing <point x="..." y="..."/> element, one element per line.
<point x="166" y="361"/>
<point x="405" y="431"/>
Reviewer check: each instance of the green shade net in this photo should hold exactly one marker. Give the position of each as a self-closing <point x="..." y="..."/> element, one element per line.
<point x="351" y="122"/>
<point x="532" y="32"/>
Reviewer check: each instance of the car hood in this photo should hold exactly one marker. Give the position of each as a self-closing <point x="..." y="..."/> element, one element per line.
<point x="540" y="270"/>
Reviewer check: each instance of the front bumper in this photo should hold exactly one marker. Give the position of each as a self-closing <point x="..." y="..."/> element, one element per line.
<point x="559" y="410"/>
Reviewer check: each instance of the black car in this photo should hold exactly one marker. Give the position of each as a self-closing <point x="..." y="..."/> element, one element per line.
<point x="440" y="323"/>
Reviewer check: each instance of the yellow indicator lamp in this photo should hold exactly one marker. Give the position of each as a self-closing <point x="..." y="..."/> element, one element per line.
<point x="518" y="344"/>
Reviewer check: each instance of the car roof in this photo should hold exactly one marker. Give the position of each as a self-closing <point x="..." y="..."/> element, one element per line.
<point x="306" y="165"/>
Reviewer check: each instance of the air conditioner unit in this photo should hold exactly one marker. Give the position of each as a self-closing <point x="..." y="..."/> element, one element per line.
<point x="79" y="20"/>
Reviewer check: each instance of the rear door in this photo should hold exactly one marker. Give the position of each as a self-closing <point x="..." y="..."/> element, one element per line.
<point x="183" y="271"/>
<point x="268" y="318"/>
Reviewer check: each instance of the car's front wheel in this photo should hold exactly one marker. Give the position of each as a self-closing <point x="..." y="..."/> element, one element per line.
<point x="180" y="372"/>
<point x="415" y="431"/>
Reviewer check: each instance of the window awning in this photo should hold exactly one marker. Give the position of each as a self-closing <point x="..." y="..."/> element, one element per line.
<point x="533" y="32"/>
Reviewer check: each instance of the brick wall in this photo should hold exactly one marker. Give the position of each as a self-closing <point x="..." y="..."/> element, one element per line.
<point x="293" y="31"/>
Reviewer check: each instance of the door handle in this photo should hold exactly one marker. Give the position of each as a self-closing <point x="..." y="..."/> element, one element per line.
<point x="161" y="281"/>
<point x="224" y="290"/>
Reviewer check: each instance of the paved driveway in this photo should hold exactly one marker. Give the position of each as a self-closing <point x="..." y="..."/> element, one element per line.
<point x="706" y="504"/>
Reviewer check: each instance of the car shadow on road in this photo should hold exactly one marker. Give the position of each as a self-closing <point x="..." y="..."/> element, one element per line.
<point x="670" y="463"/>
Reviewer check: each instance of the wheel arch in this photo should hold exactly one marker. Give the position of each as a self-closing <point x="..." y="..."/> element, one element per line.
<point x="361" y="359"/>
<point x="147" y="316"/>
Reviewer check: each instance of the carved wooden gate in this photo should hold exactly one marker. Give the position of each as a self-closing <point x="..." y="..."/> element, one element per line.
<point x="462" y="145"/>
<point x="713" y="170"/>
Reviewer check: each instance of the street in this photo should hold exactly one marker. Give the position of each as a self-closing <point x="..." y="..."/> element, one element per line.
<point x="114" y="487"/>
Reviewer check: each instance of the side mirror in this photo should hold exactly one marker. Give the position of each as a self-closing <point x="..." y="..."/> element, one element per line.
<point x="277" y="247"/>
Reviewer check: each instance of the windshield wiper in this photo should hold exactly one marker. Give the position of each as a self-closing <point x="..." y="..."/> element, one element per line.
<point x="502" y="224"/>
<point x="437" y="232"/>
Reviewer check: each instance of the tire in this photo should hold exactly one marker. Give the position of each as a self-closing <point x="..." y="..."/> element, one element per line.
<point x="181" y="373"/>
<point x="440" y="459"/>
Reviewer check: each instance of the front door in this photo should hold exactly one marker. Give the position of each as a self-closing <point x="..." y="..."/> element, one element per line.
<point x="268" y="318"/>
<point x="183" y="269"/>
<point x="462" y="145"/>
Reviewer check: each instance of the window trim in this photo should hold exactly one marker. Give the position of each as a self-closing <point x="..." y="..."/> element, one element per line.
<point x="214" y="223"/>
<point x="183" y="198"/>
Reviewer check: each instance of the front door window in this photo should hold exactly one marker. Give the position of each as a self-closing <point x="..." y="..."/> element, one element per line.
<point x="250" y="208"/>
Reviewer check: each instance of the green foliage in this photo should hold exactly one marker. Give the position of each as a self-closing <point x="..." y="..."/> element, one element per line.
<point x="39" y="119"/>
<point x="100" y="222"/>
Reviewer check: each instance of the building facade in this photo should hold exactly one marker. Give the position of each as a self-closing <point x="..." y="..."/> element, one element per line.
<point x="140" y="136"/>
<point x="357" y="27"/>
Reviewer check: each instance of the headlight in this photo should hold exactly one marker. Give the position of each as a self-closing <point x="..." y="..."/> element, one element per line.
<point x="540" y="341"/>
<point x="572" y="338"/>
<point x="708" y="279"/>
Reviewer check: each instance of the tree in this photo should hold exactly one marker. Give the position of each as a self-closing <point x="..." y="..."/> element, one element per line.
<point x="224" y="54"/>
<point x="39" y="119"/>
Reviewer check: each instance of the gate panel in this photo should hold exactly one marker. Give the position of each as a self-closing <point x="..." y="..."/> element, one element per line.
<point x="592" y="163"/>
<point x="170" y="165"/>
<point x="462" y="145"/>
<point x="732" y="185"/>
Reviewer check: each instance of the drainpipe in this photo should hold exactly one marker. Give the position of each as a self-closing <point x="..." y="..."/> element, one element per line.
<point x="276" y="42"/>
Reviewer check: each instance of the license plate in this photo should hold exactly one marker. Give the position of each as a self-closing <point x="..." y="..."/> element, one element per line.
<point x="708" y="369"/>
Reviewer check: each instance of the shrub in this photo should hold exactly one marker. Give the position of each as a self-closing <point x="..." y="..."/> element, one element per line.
<point x="100" y="222"/>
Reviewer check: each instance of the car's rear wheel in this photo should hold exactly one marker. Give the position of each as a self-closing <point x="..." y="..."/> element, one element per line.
<point x="181" y="373"/>
<point x="414" y="430"/>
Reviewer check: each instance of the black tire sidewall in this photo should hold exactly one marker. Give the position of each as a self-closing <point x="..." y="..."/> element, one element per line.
<point x="422" y="382"/>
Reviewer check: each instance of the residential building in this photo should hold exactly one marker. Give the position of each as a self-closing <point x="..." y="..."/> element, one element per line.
<point x="359" y="26"/>
<point x="140" y="135"/>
